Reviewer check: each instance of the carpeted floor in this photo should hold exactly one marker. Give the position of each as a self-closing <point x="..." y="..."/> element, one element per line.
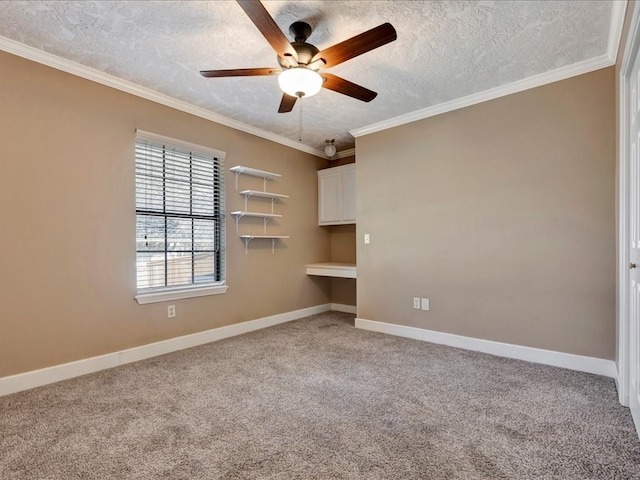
<point x="318" y="399"/>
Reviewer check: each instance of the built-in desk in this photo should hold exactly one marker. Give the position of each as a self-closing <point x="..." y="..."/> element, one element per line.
<point x="332" y="269"/>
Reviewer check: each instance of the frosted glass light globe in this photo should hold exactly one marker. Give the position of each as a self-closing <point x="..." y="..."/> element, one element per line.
<point x="300" y="82"/>
<point x="330" y="150"/>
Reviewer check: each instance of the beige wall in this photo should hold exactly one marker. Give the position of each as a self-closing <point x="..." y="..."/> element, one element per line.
<point x="502" y="214"/>
<point x="68" y="225"/>
<point x="338" y="162"/>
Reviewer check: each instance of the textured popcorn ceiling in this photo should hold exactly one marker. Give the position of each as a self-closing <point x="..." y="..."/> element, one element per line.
<point x="445" y="50"/>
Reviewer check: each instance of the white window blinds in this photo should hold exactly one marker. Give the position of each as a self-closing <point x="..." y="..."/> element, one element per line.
<point x="179" y="215"/>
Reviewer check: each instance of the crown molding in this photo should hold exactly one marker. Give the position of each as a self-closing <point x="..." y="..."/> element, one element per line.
<point x="344" y="154"/>
<point x="79" y="70"/>
<point x="491" y="94"/>
<point x="618" y="11"/>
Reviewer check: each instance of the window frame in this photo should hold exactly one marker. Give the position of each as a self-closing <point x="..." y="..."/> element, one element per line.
<point x="162" y="294"/>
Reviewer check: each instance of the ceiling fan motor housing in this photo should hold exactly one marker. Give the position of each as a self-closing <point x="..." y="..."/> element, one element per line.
<point x="300" y="31"/>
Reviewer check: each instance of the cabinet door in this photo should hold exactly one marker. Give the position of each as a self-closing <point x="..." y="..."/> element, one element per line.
<point x="349" y="196"/>
<point x="329" y="210"/>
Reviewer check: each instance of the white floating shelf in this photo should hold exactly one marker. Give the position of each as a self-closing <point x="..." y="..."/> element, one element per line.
<point x="240" y="213"/>
<point x="265" y="217"/>
<point x="254" y="172"/>
<point x="273" y="238"/>
<point x="258" y="193"/>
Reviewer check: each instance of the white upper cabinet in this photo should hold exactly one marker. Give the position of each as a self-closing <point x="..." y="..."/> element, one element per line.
<point x="348" y="179"/>
<point x="337" y="195"/>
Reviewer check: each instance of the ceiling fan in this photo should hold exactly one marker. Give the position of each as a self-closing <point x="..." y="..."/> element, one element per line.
<point x="300" y="61"/>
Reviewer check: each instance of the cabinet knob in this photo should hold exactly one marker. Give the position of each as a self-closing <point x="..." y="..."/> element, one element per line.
<point x="632" y="265"/>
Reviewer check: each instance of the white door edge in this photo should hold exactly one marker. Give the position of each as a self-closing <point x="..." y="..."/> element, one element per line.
<point x="622" y="254"/>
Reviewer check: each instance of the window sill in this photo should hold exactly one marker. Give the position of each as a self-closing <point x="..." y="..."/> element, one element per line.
<point x="180" y="293"/>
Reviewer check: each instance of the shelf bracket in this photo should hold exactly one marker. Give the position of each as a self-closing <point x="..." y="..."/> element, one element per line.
<point x="264" y="181"/>
<point x="237" y="219"/>
<point x="248" y="239"/>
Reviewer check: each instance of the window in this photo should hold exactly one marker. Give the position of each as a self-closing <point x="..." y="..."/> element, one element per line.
<point x="179" y="219"/>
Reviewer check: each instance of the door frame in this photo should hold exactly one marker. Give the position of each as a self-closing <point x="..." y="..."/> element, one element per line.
<point x="632" y="46"/>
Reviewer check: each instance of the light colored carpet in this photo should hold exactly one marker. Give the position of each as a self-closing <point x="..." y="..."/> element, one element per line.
<point x="318" y="399"/>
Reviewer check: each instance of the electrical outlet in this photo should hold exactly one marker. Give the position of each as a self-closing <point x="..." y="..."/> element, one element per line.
<point x="416" y="303"/>
<point x="171" y="311"/>
<point x="424" y="304"/>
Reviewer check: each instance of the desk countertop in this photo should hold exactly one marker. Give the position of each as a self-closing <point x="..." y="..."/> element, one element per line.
<point x="332" y="269"/>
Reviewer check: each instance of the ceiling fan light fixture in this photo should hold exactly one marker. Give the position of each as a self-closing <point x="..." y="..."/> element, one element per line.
<point x="330" y="149"/>
<point x="300" y="82"/>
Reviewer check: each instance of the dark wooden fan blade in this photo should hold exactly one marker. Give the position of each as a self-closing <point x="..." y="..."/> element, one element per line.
<point x="340" y="85"/>
<point x="363" y="43"/>
<point x="240" y="72"/>
<point x="269" y="29"/>
<point x="287" y="103"/>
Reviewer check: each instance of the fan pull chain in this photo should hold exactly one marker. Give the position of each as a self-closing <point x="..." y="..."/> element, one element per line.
<point x="300" y="131"/>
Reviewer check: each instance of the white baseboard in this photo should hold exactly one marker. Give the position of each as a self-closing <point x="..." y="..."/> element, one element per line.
<point x="339" y="307"/>
<point x="598" y="366"/>
<point x="622" y="398"/>
<point x="634" y="408"/>
<point x="45" y="376"/>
